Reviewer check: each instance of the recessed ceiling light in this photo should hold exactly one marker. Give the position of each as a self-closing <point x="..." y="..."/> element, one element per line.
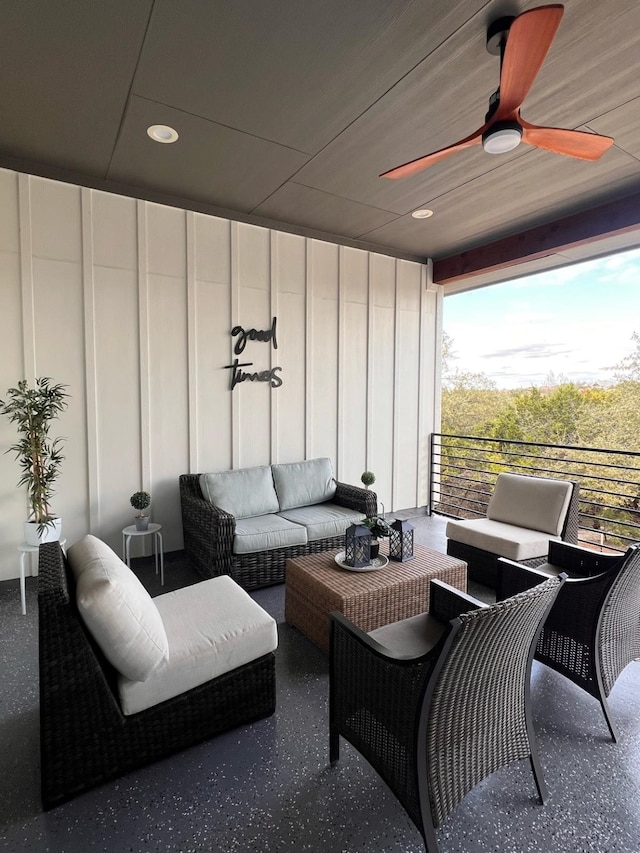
<point x="162" y="133"/>
<point x="422" y="214"/>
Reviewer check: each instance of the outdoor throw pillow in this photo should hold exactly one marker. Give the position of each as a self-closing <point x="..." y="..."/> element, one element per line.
<point x="117" y="610"/>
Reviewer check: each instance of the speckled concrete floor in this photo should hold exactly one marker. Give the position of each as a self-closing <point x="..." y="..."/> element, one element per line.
<point x="268" y="787"/>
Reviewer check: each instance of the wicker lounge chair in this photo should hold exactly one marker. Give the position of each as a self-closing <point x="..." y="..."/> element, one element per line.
<point x="593" y="629"/>
<point x="435" y="705"/>
<point x="523" y="515"/>
<point x="85" y="738"/>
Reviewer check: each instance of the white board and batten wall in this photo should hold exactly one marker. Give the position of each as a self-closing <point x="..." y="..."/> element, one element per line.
<point x="131" y="305"/>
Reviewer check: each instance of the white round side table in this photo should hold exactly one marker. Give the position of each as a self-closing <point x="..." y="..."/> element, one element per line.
<point x="25" y="549"/>
<point x="132" y="531"/>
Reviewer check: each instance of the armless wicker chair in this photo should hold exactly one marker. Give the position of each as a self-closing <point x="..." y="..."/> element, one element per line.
<point x="523" y="515"/>
<point x="593" y="629"/>
<point x="438" y="702"/>
<point x="85" y="739"/>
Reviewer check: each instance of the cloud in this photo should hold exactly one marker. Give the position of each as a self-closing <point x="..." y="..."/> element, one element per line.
<point x="530" y="351"/>
<point x="575" y="321"/>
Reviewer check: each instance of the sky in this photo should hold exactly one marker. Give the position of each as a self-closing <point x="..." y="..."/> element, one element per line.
<point x="575" y="322"/>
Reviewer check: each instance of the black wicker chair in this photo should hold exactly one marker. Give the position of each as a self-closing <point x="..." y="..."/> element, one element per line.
<point x="85" y="739"/>
<point x="435" y="724"/>
<point x="593" y="630"/>
<point x="208" y="537"/>
<point x="482" y="566"/>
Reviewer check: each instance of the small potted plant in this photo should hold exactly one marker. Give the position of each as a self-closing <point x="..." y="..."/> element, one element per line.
<point x="33" y="410"/>
<point x="367" y="478"/>
<point x="379" y="529"/>
<point x="140" y="501"/>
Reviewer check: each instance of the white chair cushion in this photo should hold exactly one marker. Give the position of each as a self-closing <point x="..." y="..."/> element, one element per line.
<point x="244" y="492"/>
<point x="533" y="502"/>
<point x="265" y="532"/>
<point x="304" y="483"/>
<point x="506" y="540"/>
<point x="323" y="521"/>
<point x="118" y="611"/>
<point x="213" y="627"/>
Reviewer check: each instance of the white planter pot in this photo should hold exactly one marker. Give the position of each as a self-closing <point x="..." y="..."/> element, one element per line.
<point x="142" y="522"/>
<point x="51" y="533"/>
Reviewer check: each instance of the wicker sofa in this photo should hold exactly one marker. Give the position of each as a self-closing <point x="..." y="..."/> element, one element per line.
<point x="248" y="522"/>
<point x="97" y="723"/>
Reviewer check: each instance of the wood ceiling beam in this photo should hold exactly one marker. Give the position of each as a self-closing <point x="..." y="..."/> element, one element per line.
<point x="597" y="223"/>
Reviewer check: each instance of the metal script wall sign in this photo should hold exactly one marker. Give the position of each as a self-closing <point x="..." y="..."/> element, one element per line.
<point x="244" y="335"/>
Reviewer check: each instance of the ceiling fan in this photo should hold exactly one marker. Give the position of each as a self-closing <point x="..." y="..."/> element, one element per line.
<point x="522" y="44"/>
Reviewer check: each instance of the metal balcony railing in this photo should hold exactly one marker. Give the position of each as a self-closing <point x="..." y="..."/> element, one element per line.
<point x="464" y="470"/>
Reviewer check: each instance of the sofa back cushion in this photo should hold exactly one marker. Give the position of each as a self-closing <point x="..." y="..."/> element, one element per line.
<point x="536" y="503"/>
<point x="117" y="610"/>
<point x="304" y="483"/>
<point x="244" y="492"/>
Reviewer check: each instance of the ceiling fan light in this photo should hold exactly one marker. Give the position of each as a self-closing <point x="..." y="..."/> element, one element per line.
<point x="502" y="137"/>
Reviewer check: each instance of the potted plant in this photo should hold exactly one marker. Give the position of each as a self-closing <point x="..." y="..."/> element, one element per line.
<point x="140" y="501"/>
<point x="32" y="410"/>
<point x="367" y="478"/>
<point x="379" y="529"/>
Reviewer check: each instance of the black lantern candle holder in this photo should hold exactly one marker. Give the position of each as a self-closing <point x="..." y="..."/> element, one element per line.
<point x="401" y="541"/>
<point x="357" y="546"/>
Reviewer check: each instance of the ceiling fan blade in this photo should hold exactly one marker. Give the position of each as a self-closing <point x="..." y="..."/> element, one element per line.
<point x="572" y="143"/>
<point x="530" y="37"/>
<point x="415" y="166"/>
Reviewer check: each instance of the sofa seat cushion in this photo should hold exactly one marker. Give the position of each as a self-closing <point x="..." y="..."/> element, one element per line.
<point x="213" y="627"/>
<point x="304" y="483"/>
<point x="323" y="521"/>
<point x="506" y="540"/>
<point x="266" y="532"/>
<point x="534" y="502"/>
<point x="244" y="492"/>
<point x="117" y="610"/>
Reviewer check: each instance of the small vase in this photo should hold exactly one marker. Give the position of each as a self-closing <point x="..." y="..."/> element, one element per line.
<point x="142" y="522"/>
<point x="374" y="549"/>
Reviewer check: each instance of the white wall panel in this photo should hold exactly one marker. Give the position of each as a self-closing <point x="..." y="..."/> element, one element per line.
<point x="212" y="236"/>
<point x="381" y="439"/>
<point x="9" y="234"/>
<point x="60" y="354"/>
<point x="322" y="374"/>
<point x="407" y="383"/>
<point x="13" y="503"/>
<point x="168" y="414"/>
<point x="431" y="360"/>
<point x="381" y="375"/>
<point x="352" y="424"/>
<point x="253" y="258"/>
<point x="132" y="304"/>
<point x="209" y="329"/>
<point x="253" y="399"/>
<point x="166" y="240"/>
<point x="117" y="388"/>
<point x="55" y="220"/>
<point x="113" y="232"/>
<point x="353" y="364"/>
<point x="289" y="271"/>
<point x="212" y="326"/>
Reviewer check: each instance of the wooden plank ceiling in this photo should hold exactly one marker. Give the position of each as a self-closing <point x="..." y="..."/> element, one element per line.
<point x="288" y="111"/>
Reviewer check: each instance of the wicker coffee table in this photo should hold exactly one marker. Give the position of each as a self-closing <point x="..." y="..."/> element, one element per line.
<point x="316" y="585"/>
